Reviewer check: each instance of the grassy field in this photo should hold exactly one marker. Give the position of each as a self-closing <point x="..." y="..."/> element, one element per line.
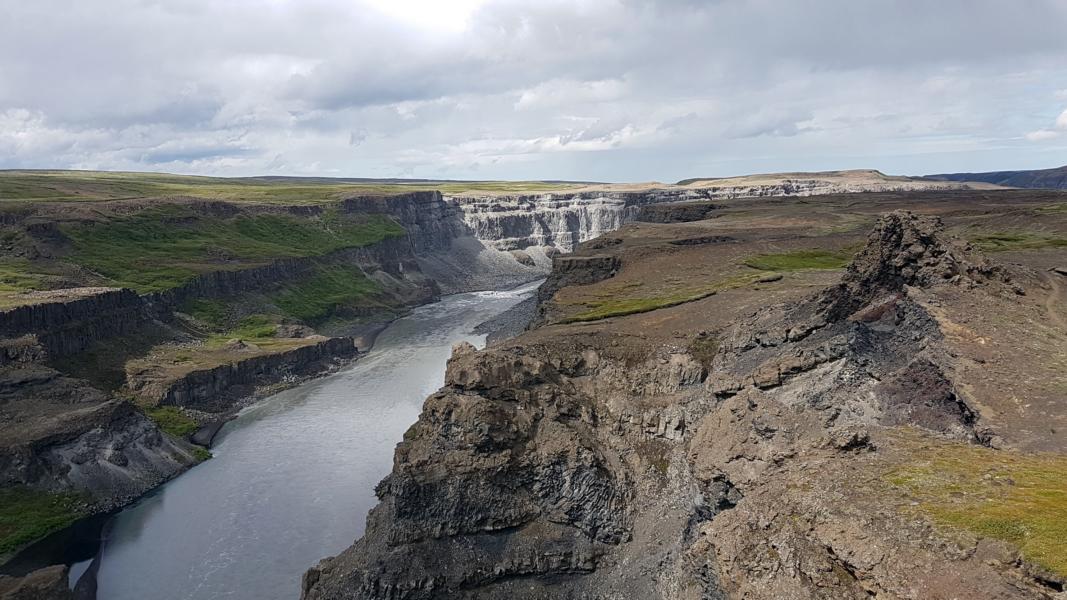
<point x="1017" y="498"/>
<point x="328" y="292"/>
<point x="92" y="186"/>
<point x="163" y="248"/>
<point x="799" y="260"/>
<point x="1002" y="242"/>
<point x="617" y="307"/>
<point x="172" y="421"/>
<point x="27" y="515"/>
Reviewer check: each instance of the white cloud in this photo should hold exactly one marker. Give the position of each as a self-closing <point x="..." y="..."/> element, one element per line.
<point x="1061" y="121"/>
<point x="1041" y="135"/>
<point x="599" y="89"/>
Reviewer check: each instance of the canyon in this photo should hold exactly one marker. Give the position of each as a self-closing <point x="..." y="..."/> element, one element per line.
<point x="587" y="457"/>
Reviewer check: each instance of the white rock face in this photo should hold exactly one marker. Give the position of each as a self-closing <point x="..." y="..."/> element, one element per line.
<point x="557" y="220"/>
<point x="564" y="219"/>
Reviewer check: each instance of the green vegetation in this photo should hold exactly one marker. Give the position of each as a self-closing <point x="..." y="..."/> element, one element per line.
<point x="100" y="185"/>
<point x="330" y="289"/>
<point x="201" y="454"/>
<point x="27" y="515"/>
<point x="255" y="326"/>
<point x="165" y="247"/>
<point x="211" y="312"/>
<point x="799" y="260"/>
<point x="616" y="307"/>
<point x="1017" y="498"/>
<point x="704" y="348"/>
<point x="1058" y="207"/>
<point x="172" y="420"/>
<point x="1001" y="242"/>
<point x="15" y="277"/>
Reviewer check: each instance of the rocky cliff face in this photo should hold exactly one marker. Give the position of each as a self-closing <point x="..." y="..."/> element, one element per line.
<point x="564" y="465"/>
<point x="66" y="322"/>
<point x="216" y="389"/>
<point x="558" y="220"/>
<point x="62" y="435"/>
<point x="564" y="219"/>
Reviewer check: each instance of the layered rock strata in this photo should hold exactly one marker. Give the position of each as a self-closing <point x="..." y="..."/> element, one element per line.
<point x="562" y="466"/>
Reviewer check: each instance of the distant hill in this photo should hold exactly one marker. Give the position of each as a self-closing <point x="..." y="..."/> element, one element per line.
<point x="1040" y="178"/>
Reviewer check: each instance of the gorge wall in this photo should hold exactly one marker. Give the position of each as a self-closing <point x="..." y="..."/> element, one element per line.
<point x="727" y="447"/>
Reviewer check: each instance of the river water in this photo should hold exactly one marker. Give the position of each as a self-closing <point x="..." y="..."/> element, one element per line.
<point x="293" y="476"/>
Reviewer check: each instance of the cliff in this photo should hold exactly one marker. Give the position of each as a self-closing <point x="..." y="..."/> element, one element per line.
<point x="61" y="435"/>
<point x="760" y="437"/>
<point x="217" y="388"/>
<point x="67" y="321"/>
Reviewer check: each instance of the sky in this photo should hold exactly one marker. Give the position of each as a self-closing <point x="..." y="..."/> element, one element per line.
<point x="591" y="90"/>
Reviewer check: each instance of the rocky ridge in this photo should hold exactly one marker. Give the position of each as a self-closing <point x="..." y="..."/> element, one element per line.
<point x="560" y="465"/>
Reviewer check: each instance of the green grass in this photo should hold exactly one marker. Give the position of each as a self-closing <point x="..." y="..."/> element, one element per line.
<point x="201" y="454"/>
<point x="89" y="186"/>
<point x="172" y="421"/>
<point x="800" y="260"/>
<point x="255" y="326"/>
<point x="27" y="515"/>
<point x="16" y="277"/>
<point x="329" y="291"/>
<point x="1004" y="241"/>
<point x="163" y="248"/>
<point x="617" y="307"/>
<point x="1058" y="207"/>
<point x="1017" y="498"/>
<point x="211" y="312"/>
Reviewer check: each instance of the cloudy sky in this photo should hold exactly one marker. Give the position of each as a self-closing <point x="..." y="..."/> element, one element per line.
<point x="608" y="90"/>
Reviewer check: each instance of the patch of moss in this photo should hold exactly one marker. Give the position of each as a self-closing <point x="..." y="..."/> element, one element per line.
<point x="1017" y="498"/>
<point x="201" y="454"/>
<point x="331" y="290"/>
<point x="27" y="515"/>
<point x="615" y="307"/>
<point x="1004" y="241"/>
<point x="704" y="348"/>
<point x="211" y="312"/>
<point x="16" y="277"/>
<point x="800" y="260"/>
<point x="172" y="420"/>
<point x="255" y="326"/>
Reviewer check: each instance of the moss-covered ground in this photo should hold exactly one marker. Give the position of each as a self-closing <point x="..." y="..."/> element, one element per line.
<point x="27" y="515"/>
<point x="627" y="305"/>
<point x="799" y="260"/>
<point x="163" y="248"/>
<point x="1017" y="498"/>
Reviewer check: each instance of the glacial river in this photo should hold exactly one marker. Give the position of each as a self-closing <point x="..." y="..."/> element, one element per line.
<point x="293" y="476"/>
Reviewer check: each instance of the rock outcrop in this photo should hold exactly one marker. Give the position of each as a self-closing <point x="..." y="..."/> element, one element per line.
<point x="563" y="466"/>
<point x="62" y="435"/>
<point x="65" y="322"/>
<point x="219" y="388"/>
<point x="49" y="583"/>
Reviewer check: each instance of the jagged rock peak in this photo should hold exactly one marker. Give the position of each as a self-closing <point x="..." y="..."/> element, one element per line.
<point x="904" y="249"/>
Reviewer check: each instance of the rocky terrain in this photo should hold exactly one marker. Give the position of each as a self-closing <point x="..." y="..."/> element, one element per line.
<point x="843" y="396"/>
<point x="136" y="315"/>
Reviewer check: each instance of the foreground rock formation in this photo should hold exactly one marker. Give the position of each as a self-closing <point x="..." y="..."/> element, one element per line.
<point x="680" y="427"/>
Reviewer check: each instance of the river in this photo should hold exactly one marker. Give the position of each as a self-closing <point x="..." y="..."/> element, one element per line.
<point x="293" y="475"/>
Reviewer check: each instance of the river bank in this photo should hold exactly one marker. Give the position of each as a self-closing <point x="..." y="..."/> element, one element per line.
<point x="270" y="461"/>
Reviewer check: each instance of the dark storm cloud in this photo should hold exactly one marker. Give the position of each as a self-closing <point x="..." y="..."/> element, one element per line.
<point x="611" y="89"/>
